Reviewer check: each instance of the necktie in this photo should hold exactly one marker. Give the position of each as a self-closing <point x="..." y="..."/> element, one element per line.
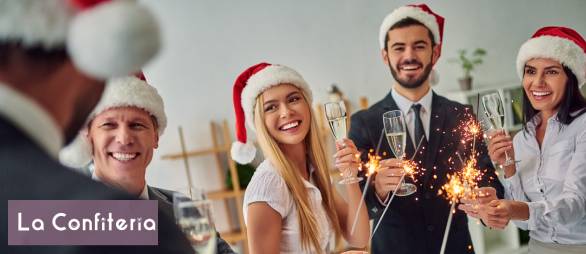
<point x="418" y="131"/>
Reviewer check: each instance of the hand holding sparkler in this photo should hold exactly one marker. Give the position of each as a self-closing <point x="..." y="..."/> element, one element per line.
<point x="388" y="177"/>
<point x="474" y="204"/>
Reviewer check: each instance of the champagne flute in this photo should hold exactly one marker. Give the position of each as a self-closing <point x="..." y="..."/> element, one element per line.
<point x="396" y="134"/>
<point x="495" y="115"/>
<point x="336" y="115"/>
<point x="195" y="220"/>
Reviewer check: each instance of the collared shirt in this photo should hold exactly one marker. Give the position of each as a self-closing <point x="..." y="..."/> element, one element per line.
<point x="552" y="180"/>
<point x="405" y="104"/>
<point x="268" y="186"/>
<point x="144" y="194"/>
<point x="31" y="119"/>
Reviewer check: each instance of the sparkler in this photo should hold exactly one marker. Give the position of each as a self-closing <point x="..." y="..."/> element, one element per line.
<point x="409" y="167"/>
<point x="372" y="165"/>
<point x="465" y="182"/>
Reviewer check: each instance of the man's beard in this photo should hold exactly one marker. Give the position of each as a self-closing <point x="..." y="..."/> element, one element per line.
<point x="414" y="82"/>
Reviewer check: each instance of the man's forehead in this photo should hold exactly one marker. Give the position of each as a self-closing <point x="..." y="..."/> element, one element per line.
<point x="126" y="112"/>
<point x="409" y="34"/>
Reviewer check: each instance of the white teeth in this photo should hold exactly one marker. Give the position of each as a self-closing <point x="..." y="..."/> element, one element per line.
<point x="290" y="125"/>
<point x="541" y="93"/>
<point x="410" y="68"/>
<point x="124" y="156"/>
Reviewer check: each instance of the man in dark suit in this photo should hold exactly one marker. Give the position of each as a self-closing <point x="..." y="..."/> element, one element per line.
<point x="410" y="40"/>
<point x="119" y="139"/>
<point x="47" y="88"/>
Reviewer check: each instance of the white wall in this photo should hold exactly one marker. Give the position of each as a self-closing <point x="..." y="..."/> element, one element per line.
<point x="208" y="43"/>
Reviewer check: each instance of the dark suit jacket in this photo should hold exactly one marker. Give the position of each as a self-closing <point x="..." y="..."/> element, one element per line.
<point x="28" y="173"/>
<point x="416" y="223"/>
<point x="165" y="198"/>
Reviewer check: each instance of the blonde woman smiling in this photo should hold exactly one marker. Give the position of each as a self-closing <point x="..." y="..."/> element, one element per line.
<point x="290" y="205"/>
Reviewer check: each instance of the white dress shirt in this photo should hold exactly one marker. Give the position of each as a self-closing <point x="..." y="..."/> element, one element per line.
<point x="405" y="104"/>
<point x="32" y="119"/>
<point x="268" y="186"/>
<point x="552" y="180"/>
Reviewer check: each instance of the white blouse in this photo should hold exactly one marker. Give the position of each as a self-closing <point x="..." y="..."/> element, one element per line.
<point x="268" y="186"/>
<point x="552" y="180"/>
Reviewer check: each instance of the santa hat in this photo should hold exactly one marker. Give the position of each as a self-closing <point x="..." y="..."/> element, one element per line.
<point x="421" y="13"/>
<point x="104" y="38"/>
<point x="131" y="91"/>
<point x="558" y="43"/>
<point x="247" y="87"/>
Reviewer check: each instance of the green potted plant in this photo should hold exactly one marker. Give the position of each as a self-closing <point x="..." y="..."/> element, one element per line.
<point x="468" y="62"/>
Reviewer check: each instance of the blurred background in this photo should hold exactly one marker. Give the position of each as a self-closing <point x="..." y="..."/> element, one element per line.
<point x="208" y="43"/>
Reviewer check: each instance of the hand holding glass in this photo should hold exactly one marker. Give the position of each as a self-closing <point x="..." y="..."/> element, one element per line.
<point x="336" y="116"/>
<point x="495" y="116"/>
<point x="396" y="134"/>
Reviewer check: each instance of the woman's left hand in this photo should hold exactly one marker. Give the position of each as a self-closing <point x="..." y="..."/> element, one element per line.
<point x="347" y="156"/>
<point x="497" y="213"/>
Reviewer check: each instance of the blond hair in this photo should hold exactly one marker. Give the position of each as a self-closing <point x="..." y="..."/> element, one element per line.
<point x="307" y="222"/>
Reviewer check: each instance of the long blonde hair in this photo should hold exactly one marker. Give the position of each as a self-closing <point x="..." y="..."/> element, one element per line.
<point x="307" y="222"/>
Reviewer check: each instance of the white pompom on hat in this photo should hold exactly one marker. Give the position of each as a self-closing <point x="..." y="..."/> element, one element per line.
<point x="120" y="92"/>
<point x="558" y="43"/>
<point x="247" y="87"/>
<point x="104" y="38"/>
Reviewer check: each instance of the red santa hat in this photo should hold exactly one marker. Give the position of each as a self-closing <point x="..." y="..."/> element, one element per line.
<point x="558" y="43"/>
<point x="132" y="91"/>
<point x="104" y="38"/>
<point x="247" y="87"/>
<point x="421" y="13"/>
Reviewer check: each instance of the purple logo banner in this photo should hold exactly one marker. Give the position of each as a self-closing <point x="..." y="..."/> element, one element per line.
<point x="82" y="222"/>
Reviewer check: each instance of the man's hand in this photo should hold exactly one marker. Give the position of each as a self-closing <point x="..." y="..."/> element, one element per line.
<point x="387" y="177"/>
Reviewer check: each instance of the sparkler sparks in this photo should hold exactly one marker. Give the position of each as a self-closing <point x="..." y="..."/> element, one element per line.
<point x="373" y="163"/>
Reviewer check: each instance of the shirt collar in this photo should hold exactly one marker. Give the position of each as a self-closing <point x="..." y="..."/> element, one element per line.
<point x="31" y="119"/>
<point x="405" y="104"/>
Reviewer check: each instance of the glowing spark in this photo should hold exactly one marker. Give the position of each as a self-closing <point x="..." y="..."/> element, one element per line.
<point x="373" y="163"/>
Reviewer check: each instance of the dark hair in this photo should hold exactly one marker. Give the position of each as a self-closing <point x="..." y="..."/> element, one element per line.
<point x="572" y="101"/>
<point x="37" y="54"/>
<point x="409" y="22"/>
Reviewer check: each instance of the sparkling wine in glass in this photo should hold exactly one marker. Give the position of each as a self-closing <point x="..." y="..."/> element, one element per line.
<point x="195" y="220"/>
<point x="396" y="134"/>
<point x="336" y="116"/>
<point x="495" y="116"/>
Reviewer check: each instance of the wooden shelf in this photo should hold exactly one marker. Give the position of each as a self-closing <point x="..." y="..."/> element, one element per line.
<point x="178" y="156"/>
<point x="223" y="194"/>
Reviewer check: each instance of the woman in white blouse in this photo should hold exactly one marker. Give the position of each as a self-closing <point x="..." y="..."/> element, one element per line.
<point x="290" y="205"/>
<point x="546" y="188"/>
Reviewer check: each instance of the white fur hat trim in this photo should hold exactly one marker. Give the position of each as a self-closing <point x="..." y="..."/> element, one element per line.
<point x="428" y="20"/>
<point x="552" y="47"/>
<point x="266" y="78"/>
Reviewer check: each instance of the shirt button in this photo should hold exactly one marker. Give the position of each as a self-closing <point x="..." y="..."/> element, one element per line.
<point x="541" y="190"/>
<point x="430" y="228"/>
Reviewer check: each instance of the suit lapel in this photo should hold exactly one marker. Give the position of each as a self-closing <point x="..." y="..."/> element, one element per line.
<point x="164" y="203"/>
<point x="438" y="116"/>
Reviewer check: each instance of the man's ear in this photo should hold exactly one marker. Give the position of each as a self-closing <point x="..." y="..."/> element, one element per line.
<point x="156" y="140"/>
<point x="385" y="56"/>
<point x="437" y="50"/>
